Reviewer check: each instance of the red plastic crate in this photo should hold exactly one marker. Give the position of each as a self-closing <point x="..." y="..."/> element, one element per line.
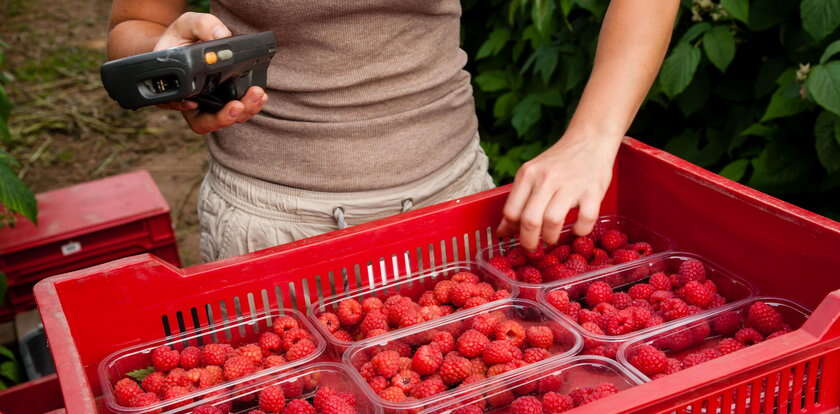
<point x="783" y="250"/>
<point x="82" y="226"/>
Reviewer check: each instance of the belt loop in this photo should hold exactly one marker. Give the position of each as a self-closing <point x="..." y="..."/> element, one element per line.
<point x="338" y="215"/>
<point x="407" y="204"/>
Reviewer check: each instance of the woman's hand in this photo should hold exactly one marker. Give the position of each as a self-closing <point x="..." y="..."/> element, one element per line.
<point x="193" y="27"/>
<point x="575" y="172"/>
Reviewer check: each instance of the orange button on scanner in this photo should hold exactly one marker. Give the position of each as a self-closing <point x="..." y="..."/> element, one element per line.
<point x="211" y="58"/>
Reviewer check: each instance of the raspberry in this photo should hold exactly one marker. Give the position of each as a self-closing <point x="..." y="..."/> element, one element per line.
<point x="292" y="389"/>
<point x="717" y="301"/>
<point x="485" y="290"/>
<point x="177" y="376"/>
<point x="474" y="301"/>
<point x="641" y="291"/>
<point x="642" y="248"/>
<point x="559" y="298"/>
<point x="298" y="407"/>
<point x="479" y="367"/>
<point x="659" y="281"/>
<point x="470" y="409"/>
<point x="274" y="361"/>
<point x="554" y="403"/>
<point x="214" y="354"/>
<point x="728" y="346"/>
<point x="386" y="363"/>
<point x="551" y="383"/>
<point x="608" y="350"/>
<point x="621" y="300"/>
<point x="454" y="369"/>
<point x="537" y="254"/>
<point x="272" y="399"/>
<point x="532" y="355"/>
<point x="562" y="252"/>
<point x="659" y="296"/>
<point x="238" y="367"/>
<point x="598" y="292"/>
<point x="330" y="321"/>
<point x="558" y="272"/>
<point x="692" y="269"/>
<point x="498" y="352"/>
<point x="511" y="331"/>
<point x="393" y="394"/>
<point x="146" y="399"/>
<point x="378" y="383"/>
<point x="322" y="398"/>
<point x="300" y="349"/>
<point x="612" y="240"/>
<point x="547" y="262"/>
<point x="623" y="256"/>
<point x="349" y="312"/>
<point x="405" y="380"/>
<point x="583" y="246"/>
<point x="256" y="412"/>
<point x="428" y="388"/>
<point x="700" y="357"/>
<point x="674" y="309"/>
<point x="371" y="304"/>
<point x="500" y="294"/>
<point x="526" y="405"/>
<point x="334" y="404"/>
<point x="125" y="389"/>
<point x="270" y="342"/>
<point x="374" y="320"/>
<point x="778" y="333"/>
<point x="427" y="360"/>
<point x="165" y="358"/>
<point x="599" y="257"/>
<point x="208" y="409"/>
<point x="443" y="341"/>
<point x="485" y="323"/>
<point x="190" y="357"/>
<point x="471" y="343"/>
<point x="501" y="398"/>
<point x="695" y="293"/>
<point x="577" y="263"/>
<point x="211" y="375"/>
<point x="284" y="323"/>
<point x="592" y="328"/>
<point x="621" y="322"/>
<point x="175" y="392"/>
<point x="763" y="318"/>
<point x="468" y="277"/>
<point x="749" y="336"/>
<point x="649" y="360"/>
<point x="252" y="351"/>
<point x="540" y="336"/>
<point x="529" y="274"/>
<point x="500" y="262"/>
<point x="293" y="336"/>
<point x="459" y="293"/>
<point x="442" y="290"/>
<point x="343" y="335"/>
<point x="572" y="311"/>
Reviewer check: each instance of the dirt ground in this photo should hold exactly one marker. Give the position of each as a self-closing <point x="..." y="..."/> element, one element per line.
<point x="65" y="128"/>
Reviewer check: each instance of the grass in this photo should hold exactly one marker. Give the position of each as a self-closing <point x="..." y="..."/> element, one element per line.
<point x="62" y="62"/>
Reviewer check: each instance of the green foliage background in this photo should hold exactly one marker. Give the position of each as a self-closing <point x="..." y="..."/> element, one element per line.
<point x="733" y="95"/>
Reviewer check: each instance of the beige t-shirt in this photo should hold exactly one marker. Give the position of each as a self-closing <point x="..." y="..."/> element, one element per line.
<point x="363" y="94"/>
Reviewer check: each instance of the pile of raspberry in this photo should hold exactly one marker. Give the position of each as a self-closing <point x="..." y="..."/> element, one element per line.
<point x="602" y="248"/>
<point x="372" y="317"/>
<point x="691" y="346"/>
<point x="273" y="400"/>
<point x="457" y="354"/>
<point x="603" y="311"/>
<point x="178" y="373"/>
<point x="538" y="397"/>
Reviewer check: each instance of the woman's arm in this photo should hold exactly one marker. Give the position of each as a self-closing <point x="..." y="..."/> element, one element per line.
<point x="576" y="171"/>
<point x="139" y="26"/>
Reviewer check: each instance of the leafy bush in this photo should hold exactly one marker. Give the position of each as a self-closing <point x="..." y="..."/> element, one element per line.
<point x="15" y="196"/>
<point x="751" y="91"/>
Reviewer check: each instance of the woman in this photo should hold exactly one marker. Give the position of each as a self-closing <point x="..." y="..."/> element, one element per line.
<point x="368" y="112"/>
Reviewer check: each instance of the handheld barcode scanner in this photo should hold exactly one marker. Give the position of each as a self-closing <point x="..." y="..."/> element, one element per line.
<point x="211" y="73"/>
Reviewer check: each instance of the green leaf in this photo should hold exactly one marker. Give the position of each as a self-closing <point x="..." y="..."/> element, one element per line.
<point x="694" y="32"/>
<point x="766" y="14"/>
<point x="4" y="286"/>
<point x="5" y="134"/>
<point x="719" y="44"/>
<point x="754" y="130"/>
<point x="546" y="62"/>
<point x="739" y="9"/>
<point x="5" y="104"/>
<point x="824" y="86"/>
<point x="596" y="7"/>
<point x="140" y="374"/>
<point x="828" y="149"/>
<point x="542" y="12"/>
<point x="678" y="69"/>
<point x="504" y="106"/>
<point x="495" y="43"/>
<point x="10" y="370"/>
<point x="552" y="98"/>
<point x="782" y="104"/>
<point x="526" y="114"/>
<point x="765" y="82"/>
<point x="820" y="17"/>
<point x="783" y="167"/>
<point x="837" y="132"/>
<point x="735" y="170"/>
<point x="830" y="51"/>
<point x="696" y="95"/>
<point x="492" y="81"/>
<point x="6" y="352"/>
<point x="15" y="195"/>
<point x="691" y="147"/>
<point x="574" y="70"/>
<point x="566" y="7"/>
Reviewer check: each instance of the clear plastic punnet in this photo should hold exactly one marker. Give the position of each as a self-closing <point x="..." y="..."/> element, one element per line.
<point x="509" y="319"/>
<point x="634" y="232"/>
<point x="412" y="286"/>
<point x="729" y="287"/>
<point x="302" y="383"/>
<point x="701" y="338"/>
<point x="133" y="361"/>
<point x="576" y="380"/>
